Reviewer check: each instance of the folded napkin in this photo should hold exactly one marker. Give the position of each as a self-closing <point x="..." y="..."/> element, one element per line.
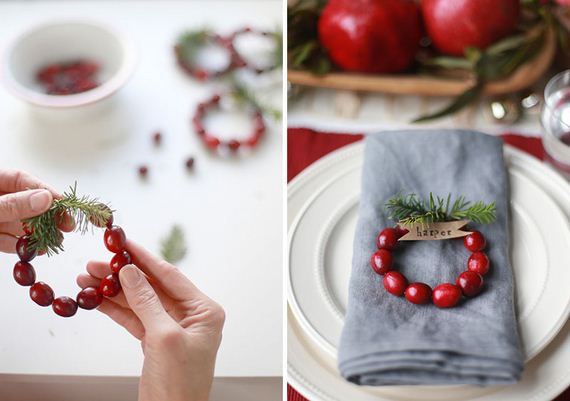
<point x="387" y="340"/>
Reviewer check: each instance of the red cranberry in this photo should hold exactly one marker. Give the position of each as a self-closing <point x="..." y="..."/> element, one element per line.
<point x="64" y="306"/>
<point x="89" y="298"/>
<point x="27" y="230"/>
<point x="381" y="261"/>
<point x="387" y="239"/>
<point x="24" y="273"/>
<point x="190" y="163"/>
<point x="157" y="138"/>
<point x="401" y="231"/>
<point x="212" y="142"/>
<point x="119" y="260"/>
<point x="479" y="263"/>
<point x="24" y="250"/>
<point x="215" y="99"/>
<point x="143" y="171"/>
<point x="395" y="283"/>
<point x="418" y="293"/>
<point x="110" y="285"/>
<point x="446" y="295"/>
<point x="234" y="145"/>
<point x="201" y="74"/>
<point x="115" y="239"/>
<point x="470" y="283"/>
<point x="474" y="241"/>
<point x="41" y="293"/>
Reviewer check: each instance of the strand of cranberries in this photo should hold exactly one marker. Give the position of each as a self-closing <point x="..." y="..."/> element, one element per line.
<point x="89" y="298"/>
<point x="202" y="74"/>
<point x="446" y="295"/>
<point x="213" y="142"/>
<point x="244" y="62"/>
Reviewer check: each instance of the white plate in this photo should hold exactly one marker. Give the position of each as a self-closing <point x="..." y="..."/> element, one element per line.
<point x="322" y="216"/>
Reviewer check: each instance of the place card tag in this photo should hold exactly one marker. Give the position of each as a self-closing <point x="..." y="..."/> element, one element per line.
<point x="435" y="231"/>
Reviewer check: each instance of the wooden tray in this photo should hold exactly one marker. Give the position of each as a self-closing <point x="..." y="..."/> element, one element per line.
<point x="425" y="85"/>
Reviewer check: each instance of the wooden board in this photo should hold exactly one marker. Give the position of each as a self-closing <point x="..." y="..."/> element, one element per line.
<point x="425" y="85"/>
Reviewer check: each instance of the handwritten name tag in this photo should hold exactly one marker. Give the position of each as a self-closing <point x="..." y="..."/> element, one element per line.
<point x="435" y="231"/>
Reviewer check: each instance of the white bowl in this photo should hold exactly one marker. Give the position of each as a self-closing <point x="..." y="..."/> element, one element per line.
<point x="63" y="41"/>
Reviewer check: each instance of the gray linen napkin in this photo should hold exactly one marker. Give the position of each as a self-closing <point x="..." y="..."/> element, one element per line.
<point x="387" y="340"/>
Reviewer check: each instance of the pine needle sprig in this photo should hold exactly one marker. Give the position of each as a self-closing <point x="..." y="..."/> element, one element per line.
<point x="173" y="246"/>
<point x="84" y="211"/>
<point x="410" y="209"/>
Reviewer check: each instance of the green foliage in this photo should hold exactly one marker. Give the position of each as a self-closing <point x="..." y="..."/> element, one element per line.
<point x="84" y="210"/>
<point x="173" y="246"/>
<point x="303" y="48"/>
<point x="409" y="209"/>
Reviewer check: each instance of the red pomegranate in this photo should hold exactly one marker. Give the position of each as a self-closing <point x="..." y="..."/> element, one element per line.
<point x="454" y="25"/>
<point x="374" y="36"/>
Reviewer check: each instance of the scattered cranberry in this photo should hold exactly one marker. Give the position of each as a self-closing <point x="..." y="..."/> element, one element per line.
<point x="64" y="306"/>
<point x="234" y="145"/>
<point x="120" y="260"/>
<point x="418" y="293"/>
<point x="157" y="138"/>
<point x="474" y="242"/>
<point x="470" y="283"/>
<point x="115" y="239"/>
<point x="24" y="250"/>
<point x="387" y="239"/>
<point x="190" y="163"/>
<point x="41" y="293"/>
<point x="478" y="262"/>
<point x="89" y="298"/>
<point x="24" y="274"/>
<point x="110" y="285"/>
<point x="395" y="283"/>
<point x="446" y="295"/>
<point x="143" y="171"/>
<point x="381" y="261"/>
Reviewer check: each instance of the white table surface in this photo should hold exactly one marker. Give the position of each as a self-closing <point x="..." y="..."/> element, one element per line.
<point x="231" y="210"/>
<point x="334" y="111"/>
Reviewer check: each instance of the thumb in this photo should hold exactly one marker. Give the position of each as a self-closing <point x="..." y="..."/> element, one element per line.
<point x="143" y="299"/>
<point x="24" y="204"/>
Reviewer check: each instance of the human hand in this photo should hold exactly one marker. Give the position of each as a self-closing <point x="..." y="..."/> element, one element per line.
<point x="180" y="327"/>
<point x="23" y="196"/>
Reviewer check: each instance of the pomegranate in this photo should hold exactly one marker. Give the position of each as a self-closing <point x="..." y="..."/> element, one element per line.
<point x="455" y="25"/>
<point x="372" y="36"/>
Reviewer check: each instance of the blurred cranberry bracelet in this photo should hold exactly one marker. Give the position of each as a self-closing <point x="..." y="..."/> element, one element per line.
<point x="446" y="295"/>
<point x="88" y="298"/>
<point x="189" y="43"/>
<point x="242" y="60"/>
<point x="213" y="142"/>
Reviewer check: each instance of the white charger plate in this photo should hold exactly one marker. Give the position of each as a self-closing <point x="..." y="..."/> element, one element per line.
<point x="322" y="216"/>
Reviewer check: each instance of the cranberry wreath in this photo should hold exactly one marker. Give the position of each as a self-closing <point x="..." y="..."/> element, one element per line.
<point x="411" y="212"/>
<point x="42" y="237"/>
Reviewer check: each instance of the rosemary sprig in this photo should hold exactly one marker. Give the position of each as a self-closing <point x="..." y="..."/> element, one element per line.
<point x="189" y="43"/>
<point x="84" y="210"/>
<point x="173" y="246"/>
<point x="409" y="209"/>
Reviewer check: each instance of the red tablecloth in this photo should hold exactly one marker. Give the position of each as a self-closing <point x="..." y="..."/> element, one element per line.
<point x="305" y="146"/>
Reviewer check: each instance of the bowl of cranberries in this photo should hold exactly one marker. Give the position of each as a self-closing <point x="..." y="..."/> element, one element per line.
<point x="67" y="64"/>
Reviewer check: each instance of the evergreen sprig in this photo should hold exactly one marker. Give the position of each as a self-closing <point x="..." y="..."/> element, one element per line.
<point x="409" y="209"/>
<point x="242" y="95"/>
<point x="173" y="246"/>
<point x="84" y="211"/>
